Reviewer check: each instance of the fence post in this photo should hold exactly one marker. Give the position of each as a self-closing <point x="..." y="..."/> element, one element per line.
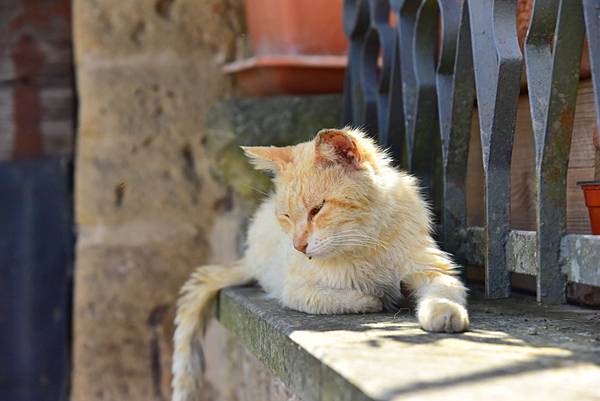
<point x="456" y="92"/>
<point x="497" y="64"/>
<point x="553" y="56"/>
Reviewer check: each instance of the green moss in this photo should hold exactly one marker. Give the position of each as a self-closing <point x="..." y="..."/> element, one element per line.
<point x="277" y="121"/>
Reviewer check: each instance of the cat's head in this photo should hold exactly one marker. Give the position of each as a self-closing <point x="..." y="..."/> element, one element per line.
<point x="327" y="191"/>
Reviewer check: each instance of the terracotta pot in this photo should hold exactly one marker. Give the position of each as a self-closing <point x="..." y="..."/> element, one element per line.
<point x="524" y="10"/>
<point x="591" y="192"/>
<point x="274" y="75"/>
<point x="299" y="48"/>
<point x="295" y="27"/>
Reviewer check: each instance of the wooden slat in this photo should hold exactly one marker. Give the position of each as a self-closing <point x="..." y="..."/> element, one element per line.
<point x="474" y="180"/>
<point x="584" y="165"/>
<point x="582" y="149"/>
<point x="522" y="170"/>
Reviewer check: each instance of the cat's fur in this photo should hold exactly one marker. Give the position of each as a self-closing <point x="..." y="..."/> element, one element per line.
<point x="340" y="233"/>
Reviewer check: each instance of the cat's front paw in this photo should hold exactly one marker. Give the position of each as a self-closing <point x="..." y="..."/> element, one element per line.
<point x="442" y="315"/>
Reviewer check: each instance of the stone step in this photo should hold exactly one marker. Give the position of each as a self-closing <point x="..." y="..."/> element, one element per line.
<point x="515" y="350"/>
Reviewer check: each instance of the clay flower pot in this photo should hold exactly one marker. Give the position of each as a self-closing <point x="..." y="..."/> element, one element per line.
<point x="295" y="27"/>
<point x="524" y="11"/>
<point x="591" y="192"/>
<point x="299" y="48"/>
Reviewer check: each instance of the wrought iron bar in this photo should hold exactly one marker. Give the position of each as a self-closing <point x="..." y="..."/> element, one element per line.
<point x="406" y="17"/>
<point x="591" y="10"/>
<point x="379" y="40"/>
<point x="356" y="25"/>
<point x="553" y="54"/>
<point x="497" y="64"/>
<point x="424" y="135"/>
<point x="456" y="92"/>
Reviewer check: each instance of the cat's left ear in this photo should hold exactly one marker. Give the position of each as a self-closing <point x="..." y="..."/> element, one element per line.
<point x="270" y="158"/>
<point x="334" y="146"/>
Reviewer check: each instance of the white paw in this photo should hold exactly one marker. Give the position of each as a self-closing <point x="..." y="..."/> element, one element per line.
<point x="442" y="315"/>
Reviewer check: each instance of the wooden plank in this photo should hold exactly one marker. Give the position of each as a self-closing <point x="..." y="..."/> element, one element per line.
<point x="474" y="181"/>
<point x="584" y="164"/>
<point x="522" y="171"/>
<point x="582" y="149"/>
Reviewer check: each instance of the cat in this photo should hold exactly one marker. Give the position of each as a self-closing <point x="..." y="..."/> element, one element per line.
<point x="340" y="233"/>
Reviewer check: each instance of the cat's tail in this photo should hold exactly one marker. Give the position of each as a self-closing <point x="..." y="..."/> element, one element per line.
<point x="196" y="296"/>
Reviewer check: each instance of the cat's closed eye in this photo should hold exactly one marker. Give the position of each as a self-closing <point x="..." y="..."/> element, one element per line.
<point x="315" y="210"/>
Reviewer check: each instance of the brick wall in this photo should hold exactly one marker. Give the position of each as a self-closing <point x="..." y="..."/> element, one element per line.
<point x="37" y="103"/>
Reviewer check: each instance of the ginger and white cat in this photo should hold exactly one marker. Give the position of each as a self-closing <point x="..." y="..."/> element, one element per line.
<point x="340" y="233"/>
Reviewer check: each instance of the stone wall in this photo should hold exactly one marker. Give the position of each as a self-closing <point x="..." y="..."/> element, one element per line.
<point x="235" y="374"/>
<point x="147" y="72"/>
<point x="157" y="194"/>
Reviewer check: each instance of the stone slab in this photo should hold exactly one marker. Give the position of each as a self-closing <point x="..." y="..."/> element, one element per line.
<point x="580" y="254"/>
<point x="516" y="350"/>
<point x="273" y="121"/>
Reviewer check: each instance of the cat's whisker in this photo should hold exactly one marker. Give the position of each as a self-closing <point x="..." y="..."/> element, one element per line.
<point x="358" y="243"/>
<point x="355" y="243"/>
<point x="356" y="234"/>
<point x="260" y="191"/>
<point x="360" y="237"/>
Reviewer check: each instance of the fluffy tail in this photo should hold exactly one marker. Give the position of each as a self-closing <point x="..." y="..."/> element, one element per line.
<point x="196" y="296"/>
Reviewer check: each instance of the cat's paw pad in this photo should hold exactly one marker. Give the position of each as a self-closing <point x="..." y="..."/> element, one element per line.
<point x="443" y="315"/>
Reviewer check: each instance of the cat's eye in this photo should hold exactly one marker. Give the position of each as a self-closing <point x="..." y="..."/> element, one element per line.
<point x="315" y="210"/>
<point x="287" y="216"/>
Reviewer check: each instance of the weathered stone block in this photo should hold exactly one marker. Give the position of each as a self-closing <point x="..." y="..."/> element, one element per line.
<point x="277" y="121"/>
<point x="115" y="28"/>
<point x="235" y="374"/>
<point x="147" y="73"/>
<point x="515" y="348"/>
<point x="123" y="317"/>
<point x="140" y="152"/>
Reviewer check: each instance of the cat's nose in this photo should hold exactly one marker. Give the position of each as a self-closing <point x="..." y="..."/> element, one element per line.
<point x="301" y="246"/>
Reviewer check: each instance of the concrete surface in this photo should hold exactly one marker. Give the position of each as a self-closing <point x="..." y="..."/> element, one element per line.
<point x="516" y="350"/>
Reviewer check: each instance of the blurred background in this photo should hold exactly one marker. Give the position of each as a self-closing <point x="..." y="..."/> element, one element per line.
<point x="104" y="172"/>
<point x="120" y="171"/>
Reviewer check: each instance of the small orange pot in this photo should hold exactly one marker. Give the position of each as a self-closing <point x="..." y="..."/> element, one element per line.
<point x="299" y="48"/>
<point x="591" y="192"/>
<point x="296" y="27"/>
<point x="298" y="75"/>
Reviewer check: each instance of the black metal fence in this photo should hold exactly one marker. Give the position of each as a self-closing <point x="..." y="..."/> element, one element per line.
<point x="414" y="85"/>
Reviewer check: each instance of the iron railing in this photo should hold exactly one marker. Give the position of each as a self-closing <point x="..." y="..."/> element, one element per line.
<point x="413" y="84"/>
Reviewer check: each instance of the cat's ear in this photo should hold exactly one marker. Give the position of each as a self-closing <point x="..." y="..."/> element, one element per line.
<point x="337" y="146"/>
<point x="270" y="158"/>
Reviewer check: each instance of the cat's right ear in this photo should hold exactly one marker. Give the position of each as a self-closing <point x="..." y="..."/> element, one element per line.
<point x="270" y="158"/>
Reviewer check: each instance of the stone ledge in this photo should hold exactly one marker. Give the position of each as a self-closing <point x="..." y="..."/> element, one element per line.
<point x="278" y="121"/>
<point x="580" y="254"/>
<point x="516" y="350"/>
